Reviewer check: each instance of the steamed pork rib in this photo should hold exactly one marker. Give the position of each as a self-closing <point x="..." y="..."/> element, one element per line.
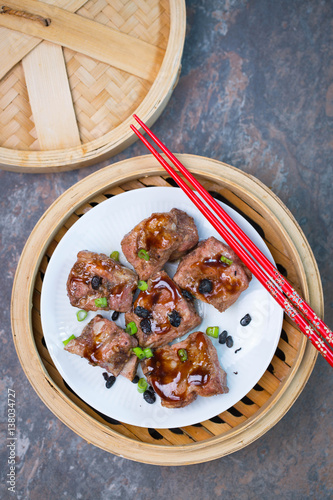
<point x="130" y="368"/>
<point x="161" y="313"/>
<point x="157" y="239"/>
<point x="213" y="273"/>
<point x="187" y="234"/>
<point x="178" y="382"/>
<point x="97" y="276"/>
<point x="104" y="344"/>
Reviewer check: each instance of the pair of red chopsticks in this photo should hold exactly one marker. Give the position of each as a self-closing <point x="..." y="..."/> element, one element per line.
<point x="267" y="274"/>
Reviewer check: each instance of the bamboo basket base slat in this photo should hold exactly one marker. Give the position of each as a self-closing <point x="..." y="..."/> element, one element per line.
<point x="100" y="97"/>
<point x="264" y="404"/>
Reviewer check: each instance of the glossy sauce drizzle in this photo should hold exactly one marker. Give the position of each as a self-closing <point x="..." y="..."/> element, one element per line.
<point x="164" y="291"/>
<point x="220" y="273"/>
<point x="83" y="272"/>
<point x="94" y="343"/>
<point x="172" y="378"/>
<point x="93" y="352"/>
<point x="156" y="232"/>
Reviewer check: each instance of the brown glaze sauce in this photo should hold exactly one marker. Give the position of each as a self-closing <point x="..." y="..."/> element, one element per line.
<point x="172" y="378"/>
<point x="100" y="344"/>
<point x="118" y="290"/>
<point x="93" y="353"/>
<point x="94" y="349"/>
<point x="214" y="269"/>
<point x="164" y="291"/>
<point x="83" y="272"/>
<point x="157" y="237"/>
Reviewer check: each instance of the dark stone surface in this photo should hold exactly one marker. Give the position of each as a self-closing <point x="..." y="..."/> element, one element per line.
<point x="256" y="91"/>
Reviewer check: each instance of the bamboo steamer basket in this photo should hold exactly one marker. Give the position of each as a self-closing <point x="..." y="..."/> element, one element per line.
<point x="266" y="402"/>
<point x="72" y="72"/>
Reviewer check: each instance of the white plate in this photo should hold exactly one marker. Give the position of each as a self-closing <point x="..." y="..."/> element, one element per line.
<point x="101" y="230"/>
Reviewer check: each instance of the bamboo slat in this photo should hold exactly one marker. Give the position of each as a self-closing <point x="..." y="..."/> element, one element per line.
<point x="233" y="429"/>
<point x="200" y="433"/>
<point x="216" y="428"/>
<point x="258" y="397"/>
<point x="13" y="47"/>
<point x="292" y="333"/>
<point x="50" y="97"/>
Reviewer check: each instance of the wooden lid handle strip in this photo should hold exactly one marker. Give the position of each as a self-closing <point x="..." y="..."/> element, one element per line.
<point x="83" y="35"/>
<point x="21" y="13"/>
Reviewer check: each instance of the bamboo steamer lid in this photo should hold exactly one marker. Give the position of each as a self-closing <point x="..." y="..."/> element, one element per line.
<point x="252" y="416"/>
<point x="73" y="72"/>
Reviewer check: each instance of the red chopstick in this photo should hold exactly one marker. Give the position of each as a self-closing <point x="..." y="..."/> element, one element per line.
<point x="273" y="280"/>
<point x="260" y="257"/>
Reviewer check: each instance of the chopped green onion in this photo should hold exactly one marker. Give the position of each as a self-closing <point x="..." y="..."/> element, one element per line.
<point x="115" y="255"/>
<point x="102" y="302"/>
<point x="143" y="254"/>
<point x="142" y="285"/>
<point x="65" y="342"/>
<point x="138" y="352"/>
<point x="142" y="385"/>
<point x="131" y="328"/>
<point x="225" y="260"/>
<point x="182" y="354"/>
<point x="213" y="331"/>
<point x="148" y="352"/>
<point x="81" y="315"/>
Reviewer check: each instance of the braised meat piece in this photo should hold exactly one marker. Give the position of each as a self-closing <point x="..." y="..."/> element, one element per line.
<point x="130" y="368"/>
<point x="161" y="313"/>
<point x="157" y="239"/>
<point x="104" y="344"/>
<point x="178" y="382"/>
<point x="213" y="273"/>
<point x="97" y="276"/>
<point x="187" y="234"/>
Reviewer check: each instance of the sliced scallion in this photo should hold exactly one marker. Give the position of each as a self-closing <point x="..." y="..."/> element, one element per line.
<point x="143" y="254"/>
<point x="142" y="385"/>
<point x="138" y="352"/>
<point x="225" y="260"/>
<point x="115" y="255"/>
<point x="148" y="352"/>
<point x="131" y="328"/>
<point x="65" y="342"/>
<point x="213" y="331"/>
<point x="182" y="354"/>
<point x="81" y="315"/>
<point x="142" y="285"/>
<point x="101" y="302"/>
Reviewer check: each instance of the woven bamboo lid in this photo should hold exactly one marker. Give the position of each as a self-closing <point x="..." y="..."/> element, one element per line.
<point x="72" y="72"/>
<point x="252" y="416"/>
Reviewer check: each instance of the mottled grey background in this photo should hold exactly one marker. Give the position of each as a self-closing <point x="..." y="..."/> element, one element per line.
<point x="256" y="91"/>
